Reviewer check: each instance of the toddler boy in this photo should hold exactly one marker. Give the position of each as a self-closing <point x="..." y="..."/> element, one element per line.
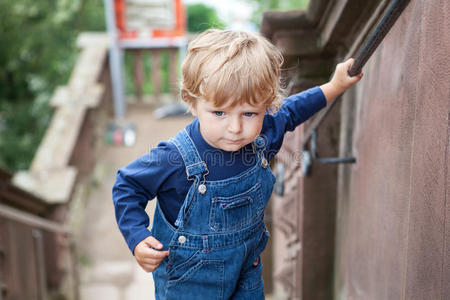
<point x="213" y="179"/>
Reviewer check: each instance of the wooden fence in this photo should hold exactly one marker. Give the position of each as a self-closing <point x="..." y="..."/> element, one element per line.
<point x="37" y="257"/>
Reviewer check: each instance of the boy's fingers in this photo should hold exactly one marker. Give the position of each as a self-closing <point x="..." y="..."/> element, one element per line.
<point x="149" y="267"/>
<point x="348" y="64"/>
<point x="158" y="254"/>
<point x="357" y="77"/>
<point x="155" y="254"/>
<point x="154" y="243"/>
<point x="151" y="261"/>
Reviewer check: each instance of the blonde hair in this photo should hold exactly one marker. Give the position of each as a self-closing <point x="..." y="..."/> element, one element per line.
<point x="228" y="67"/>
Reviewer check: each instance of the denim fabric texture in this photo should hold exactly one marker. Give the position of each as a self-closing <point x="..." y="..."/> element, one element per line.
<point x="220" y="232"/>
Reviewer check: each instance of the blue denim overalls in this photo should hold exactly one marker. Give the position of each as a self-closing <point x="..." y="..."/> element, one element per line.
<point x="220" y="234"/>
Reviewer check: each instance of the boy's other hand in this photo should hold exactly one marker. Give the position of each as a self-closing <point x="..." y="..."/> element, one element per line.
<point x="147" y="254"/>
<point x="340" y="81"/>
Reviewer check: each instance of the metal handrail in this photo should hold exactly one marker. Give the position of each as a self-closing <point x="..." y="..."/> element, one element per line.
<point x="376" y="37"/>
<point x="32" y="220"/>
<point x="389" y="18"/>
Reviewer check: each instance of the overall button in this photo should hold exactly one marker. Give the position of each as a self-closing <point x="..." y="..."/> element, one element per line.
<point x="259" y="141"/>
<point x="181" y="239"/>
<point x="264" y="162"/>
<point x="202" y="189"/>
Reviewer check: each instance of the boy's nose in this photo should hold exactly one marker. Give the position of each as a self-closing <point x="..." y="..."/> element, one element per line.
<point x="235" y="126"/>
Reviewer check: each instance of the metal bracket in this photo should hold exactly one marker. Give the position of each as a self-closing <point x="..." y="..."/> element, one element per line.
<point x="328" y="160"/>
<point x="3" y="285"/>
<point x="279" y="183"/>
<point x="307" y="157"/>
<point x="3" y="290"/>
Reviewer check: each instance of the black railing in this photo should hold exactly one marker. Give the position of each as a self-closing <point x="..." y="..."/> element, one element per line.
<point x="375" y="38"/>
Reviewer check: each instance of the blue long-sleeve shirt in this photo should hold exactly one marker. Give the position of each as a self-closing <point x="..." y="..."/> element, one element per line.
<point x="161" y="173"/>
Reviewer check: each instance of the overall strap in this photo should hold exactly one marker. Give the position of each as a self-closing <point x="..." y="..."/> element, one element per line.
<point x="259" y="147"/>
<point x="196" y="169"/>
<point x="195" y="166"/>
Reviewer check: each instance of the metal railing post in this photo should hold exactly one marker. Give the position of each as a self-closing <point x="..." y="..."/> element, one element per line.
<point x="115" y="63"/>
<point x="40" y="263"/>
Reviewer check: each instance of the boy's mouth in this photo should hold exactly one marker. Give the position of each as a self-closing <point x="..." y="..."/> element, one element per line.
<point x="234" y="141"/>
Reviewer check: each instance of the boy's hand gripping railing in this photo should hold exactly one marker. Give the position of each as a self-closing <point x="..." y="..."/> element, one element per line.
<point x="389" y="18"/>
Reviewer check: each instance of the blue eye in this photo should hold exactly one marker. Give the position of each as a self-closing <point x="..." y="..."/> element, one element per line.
<point x="249" y="114"/>
<point x="219" y="113"/>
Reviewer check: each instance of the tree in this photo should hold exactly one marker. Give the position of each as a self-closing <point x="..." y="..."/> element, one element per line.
<point x="281" y="4"/>
<point x="201" y="17"/>
<point x="264" y="5"/>
<point x="37" y="54"/>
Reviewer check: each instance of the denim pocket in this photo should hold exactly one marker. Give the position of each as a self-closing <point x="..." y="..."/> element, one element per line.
<point x="191" y="276"/>
<point x="179" y="260"/>
<point x="238" y="211"/>
<point x="251" y="279"/>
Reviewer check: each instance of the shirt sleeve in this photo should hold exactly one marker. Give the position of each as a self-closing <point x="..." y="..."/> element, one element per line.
<point x="138" y="183"/>
<point x="295" y="110"/>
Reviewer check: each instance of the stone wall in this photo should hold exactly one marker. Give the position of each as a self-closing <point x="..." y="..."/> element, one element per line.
<point x="393" y="211"/>
<point x="377" y="229"/>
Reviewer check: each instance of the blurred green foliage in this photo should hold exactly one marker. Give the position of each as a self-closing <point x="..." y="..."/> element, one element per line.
<point x="282" y="4"/>
<point x="37" y="54"/>
<point x="201" y="17"/>
<point x="265" y="5"/>
<point x="147" y="86"/>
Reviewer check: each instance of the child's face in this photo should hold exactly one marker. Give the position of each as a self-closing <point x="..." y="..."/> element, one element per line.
<point x="229" y="128"/>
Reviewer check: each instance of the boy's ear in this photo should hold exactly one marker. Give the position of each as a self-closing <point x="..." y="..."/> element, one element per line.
<point x="193" y="110"/>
